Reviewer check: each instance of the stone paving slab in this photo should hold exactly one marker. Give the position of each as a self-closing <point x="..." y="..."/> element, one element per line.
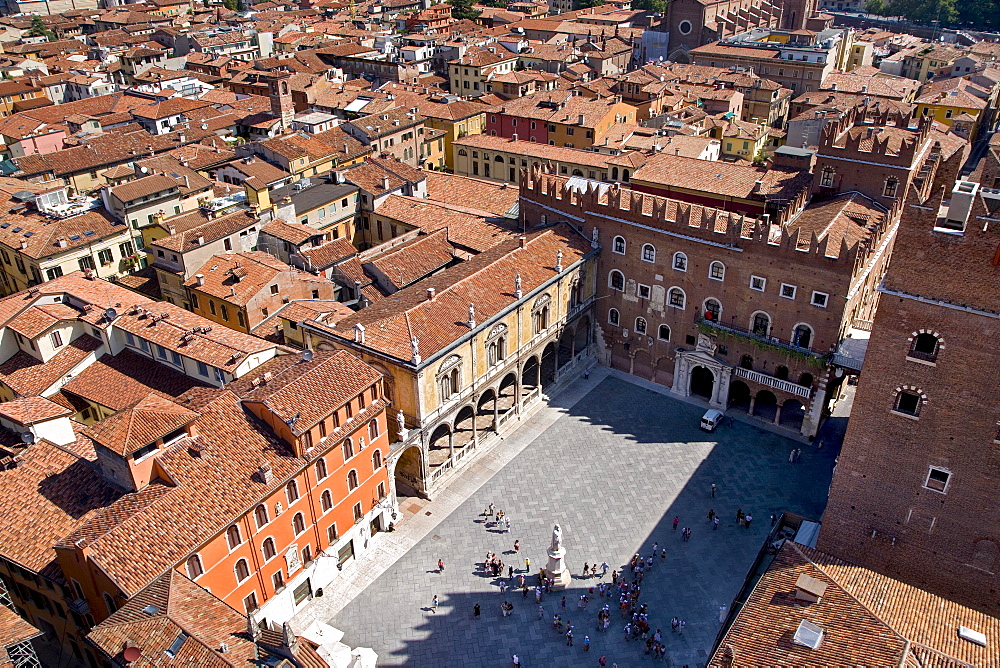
<point x="613" y="468"/>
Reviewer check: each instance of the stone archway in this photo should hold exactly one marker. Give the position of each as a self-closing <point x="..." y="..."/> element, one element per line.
<point x="409" y="474"/>
<point x="642" y="364"/>
<point x="565" y="354"/>
<point x="581" y="337"/>
<point x="530" y="374"/>
<point x="464" y="430"/>
<point x="507" y="394"/>
<point x="663" y="372"/>
<point x="486" y="411"/>
<point x="548" y="370"/>
<point x="702" y="382"/>
<point x="739" y="396"/>
<point x="439" y="445"/>
<point x="765" y="405"/>
<point x="792" y="414"/>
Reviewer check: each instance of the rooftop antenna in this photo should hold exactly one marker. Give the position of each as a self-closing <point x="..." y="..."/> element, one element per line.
<point x="110" y="314"/>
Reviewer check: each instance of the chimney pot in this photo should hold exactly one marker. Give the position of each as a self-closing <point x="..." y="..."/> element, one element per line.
<point x="431" y="294"/>
<point x="199" y="279"/>
<point x="523" y="240"/>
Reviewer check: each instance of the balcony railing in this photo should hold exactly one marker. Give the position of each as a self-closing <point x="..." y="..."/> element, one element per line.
<point x="771" y="381"/>
<point x="732" y="329"/>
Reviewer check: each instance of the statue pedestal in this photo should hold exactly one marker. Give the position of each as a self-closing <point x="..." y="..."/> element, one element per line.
<point x="556" y="569"/>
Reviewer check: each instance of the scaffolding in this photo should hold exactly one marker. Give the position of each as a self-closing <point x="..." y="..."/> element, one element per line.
<point x="21" y="654"/>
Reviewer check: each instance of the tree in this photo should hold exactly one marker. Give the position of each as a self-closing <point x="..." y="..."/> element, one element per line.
<point x="925" y="11"/>
<point x="876" y="7"/>
<point x="463" y="9"/>
<point x="587" y="4"/>
<point x="658" y="6"/>
<point x="39" y="29"/>
<point x="232" y="5"/>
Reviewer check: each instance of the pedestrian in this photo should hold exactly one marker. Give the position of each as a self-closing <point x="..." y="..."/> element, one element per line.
<point x="527" y="565"/>
<point x="440" y="566"/>
<point x="711" y="514"/>
<point x="517" y="546"/>
<point x="586" y="374"/>
<point x="798" y="454"/>
<point x="434" y="604"/>
<point x="747" y="520"/>
<point x="586" y="643"/>
<point x="680" y="627"/>
<point x="739" y="516"/>
<point x="774" y="519"/>
<point x="517" y="662"/>
<point x="503" y="587"/>
<point x="663" y="552"/>
<point x="603" y="661"/>
<point x="541" y="611"/>
<point x="510" y="571"/>
<point x="791" y="456"/>
<point x="562" y="603"/>
<point x="586" y="568"/>
<point x="492" y="508"/>
<point x="569" y="636"/>
<point x="713" y="487"/>
<point x="676" y="522"/>
<point x="475" y="611"/>
<point x="604" y="568"/>
<point x="715" y="523"/>
<point x="655" y="545"/>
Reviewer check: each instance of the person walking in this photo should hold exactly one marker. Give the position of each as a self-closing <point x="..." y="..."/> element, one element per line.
<point x="475" y="611"/>
<point x="677" y="521"/>
<point x="711" y="514"/>
<point x="604" y="568"/>
<point x="541" y="611"/>
<point x="434" y="604"/>
<point x="517" y="661"/>
<point x="517" y="546"/>
<point x="569" y="636"/>
<point x="562" y="603"/>
<point x="603" y="661"/>
<point x="747" y="520"/>
<point x="713" y="490"/>
<point x="791" y="456"/>
<point x="586" y="643"/>
<point x="715" y="523"/>
<point x="527" y="565"/>
<point x="739" y="516"/>
<point x="586" y="568"/>
<point x="440" y="565"/>
<point x="510" y="571"/>
<point x="586" y="374"/>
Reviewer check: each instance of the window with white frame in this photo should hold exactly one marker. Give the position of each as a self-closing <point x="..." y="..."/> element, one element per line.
<point x="663" y="334"/>
<point x="908" y="402"/>
<point x="267" y="549"/>
<point x="760" y="324"/>
<point x="680" y="261"/>
<point x="757" y="283"/>
<point x="643" y="291"/>
<point x="676" y="298"/>
<point x="787" y="291"/>
<point x="242" y="570"/>
<point x="618" y="245"/>
<point x="614" y="318"/>
<point x="819" y="299"/>
<point x="640" y="325"/>
<point x="616" y="280"/>
<point x="716" y="271"/>
<point x="938" y="479"/>
<point x="648" y="253"/>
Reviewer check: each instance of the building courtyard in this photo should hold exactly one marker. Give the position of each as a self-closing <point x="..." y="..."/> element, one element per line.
<point x="613" y="469"/>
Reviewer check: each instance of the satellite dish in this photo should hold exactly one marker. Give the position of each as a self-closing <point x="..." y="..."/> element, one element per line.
<point x="144" y="170"/>
<point x="307" y="355"/>
<point x="132" y="653"/>
<point x="27" y="437"/>
<point x="110" y="314"/>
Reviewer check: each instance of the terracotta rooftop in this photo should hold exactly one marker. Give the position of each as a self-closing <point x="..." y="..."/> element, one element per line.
<point x="412" y="260"/>
<point x="721" y="178"/>
<point x="13" y="630"/>
<point x="324" y="310"/>
<point x="190" y="226"/>
<point x="26" y="375"/>
<point x="467" y="227"/>
<point x="492" y="198"/>
<point x="237" y="277"/>
<point x="140" y="424"/>
<point x="29" y="410"/>
<point x="321" y="257"/>
<point x="849" y="218"/>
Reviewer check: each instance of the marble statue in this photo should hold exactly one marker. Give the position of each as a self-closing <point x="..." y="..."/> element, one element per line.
<point x="556" y="545"/>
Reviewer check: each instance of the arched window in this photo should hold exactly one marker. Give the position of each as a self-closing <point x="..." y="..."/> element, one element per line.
<point x="242" y="570"/>
<point x="908" y="401"/>
<point x="648" y="253"/>
<point x="625" y="175"/>
<point x="760" y="324"/>
<point x="352" y="480"/>
<point x="925" y="347"/>
<point x="664" y="333"/>
<point x="616" y="280"/>
<point x="614" y="173"/>
<point x="891" y="185"/>
<point x="267" y="549"/>
<point x="292" y="492"/>
<point x="260" y="514"/>
<point x="618" y="245"/>
<point x="320" y="468"/>
<point x="806" y="380"/>
<point x="540" y="320"/>
<point x="746" y="362"/>
<point x="110" y="602"/>
<point x="233" y="537"/>
<point x="717" y="271"/>
<point x="348" y="448"/>
<point x="826" y="180"/>
<point x="298" y="523"/>
<point x="497" y="350"/>
<point x="802" y="335"/>
<point x="326" y="500"/>
<point x="640" y="325"/>
<point x="614" y="318"/>
<point x="376" y="460"/>
<point x="462" y="151"/>
<point x="373" y="430"/>
<point x="712" y="310"/>
<point x="781" y="373"/>
<point x="680" y="261"/>
<point x="677" y="298"/>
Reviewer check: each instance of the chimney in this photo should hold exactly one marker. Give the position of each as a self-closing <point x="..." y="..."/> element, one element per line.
<point x="809" y="589"/>
<point x="346" y="149"/>
<point x="359" y="333"/>
<point x="266" y="474"/>
<point x="187" y="182"/>
<point x="61" y="242"/>
<point x="24" y="244"/>
<point x="182" y="138"/>
<point x="385" y="183"/>
<point x="199" y="279"/>
<point x="430" y="294"/>
<point x="523" y="240"/>
<point x="201" y="239"/>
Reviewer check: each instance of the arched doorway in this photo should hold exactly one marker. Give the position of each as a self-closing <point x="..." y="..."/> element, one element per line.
<point x="565" y="348"/>
<point x="702" y="382"/>
<point x="548" y="364"/>
<point x="507" y="396"/>
<point x="620" y="358"/>
<point x="409" y="474"/>
<point x="781" y="373"/>
<point x="463" y="427"/>
<point x="440" y="445"/>
<point x="792" y="414"/>
<point x="486" y="411"/>
<point x="642" y="364"/>
<point x="581" y="338"/>
<point x="806" y="379"/>
<point x="739" y="396"/>
<point x="530" y="375"/>
<point x="765" y="405"/>
<point x="746" y="362"/>
<point x="663" y="373"/>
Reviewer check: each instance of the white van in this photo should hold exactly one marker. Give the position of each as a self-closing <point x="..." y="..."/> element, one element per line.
<point x="711" y="419"/>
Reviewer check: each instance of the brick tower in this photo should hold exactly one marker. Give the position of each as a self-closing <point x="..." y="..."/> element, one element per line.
<point x="280" y="92"/>
<point x="914" y="493"/>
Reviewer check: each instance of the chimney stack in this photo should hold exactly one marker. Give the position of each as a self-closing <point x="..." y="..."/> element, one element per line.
<point x="359" y="333"/>
<point x="523" y="240"/>
<point x="199" y="279"/>
<point x="431" y="292"/>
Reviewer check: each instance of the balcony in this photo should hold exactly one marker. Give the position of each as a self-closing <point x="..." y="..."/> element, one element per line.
<point x="763" y="342"/>
<point x="771" y="381"/>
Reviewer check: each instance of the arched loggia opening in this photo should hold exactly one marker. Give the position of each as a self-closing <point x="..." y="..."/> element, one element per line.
<point x="702" y="382"/>
<point x="739" y="396"/>
<point x="439" y="449"/>
<point x="409" y="474"/>
<point x="548" y="369"/>
<point x="464" y="431"/>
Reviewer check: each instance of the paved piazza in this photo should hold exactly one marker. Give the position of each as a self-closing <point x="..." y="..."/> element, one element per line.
<point x="613" y="470"/>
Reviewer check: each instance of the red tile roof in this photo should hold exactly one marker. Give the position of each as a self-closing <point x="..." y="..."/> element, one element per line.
<point x="27" y="376"/>
<point x="29" y="410"/>
<point x="466" y="227"/>
<point x="140" y="424"/>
